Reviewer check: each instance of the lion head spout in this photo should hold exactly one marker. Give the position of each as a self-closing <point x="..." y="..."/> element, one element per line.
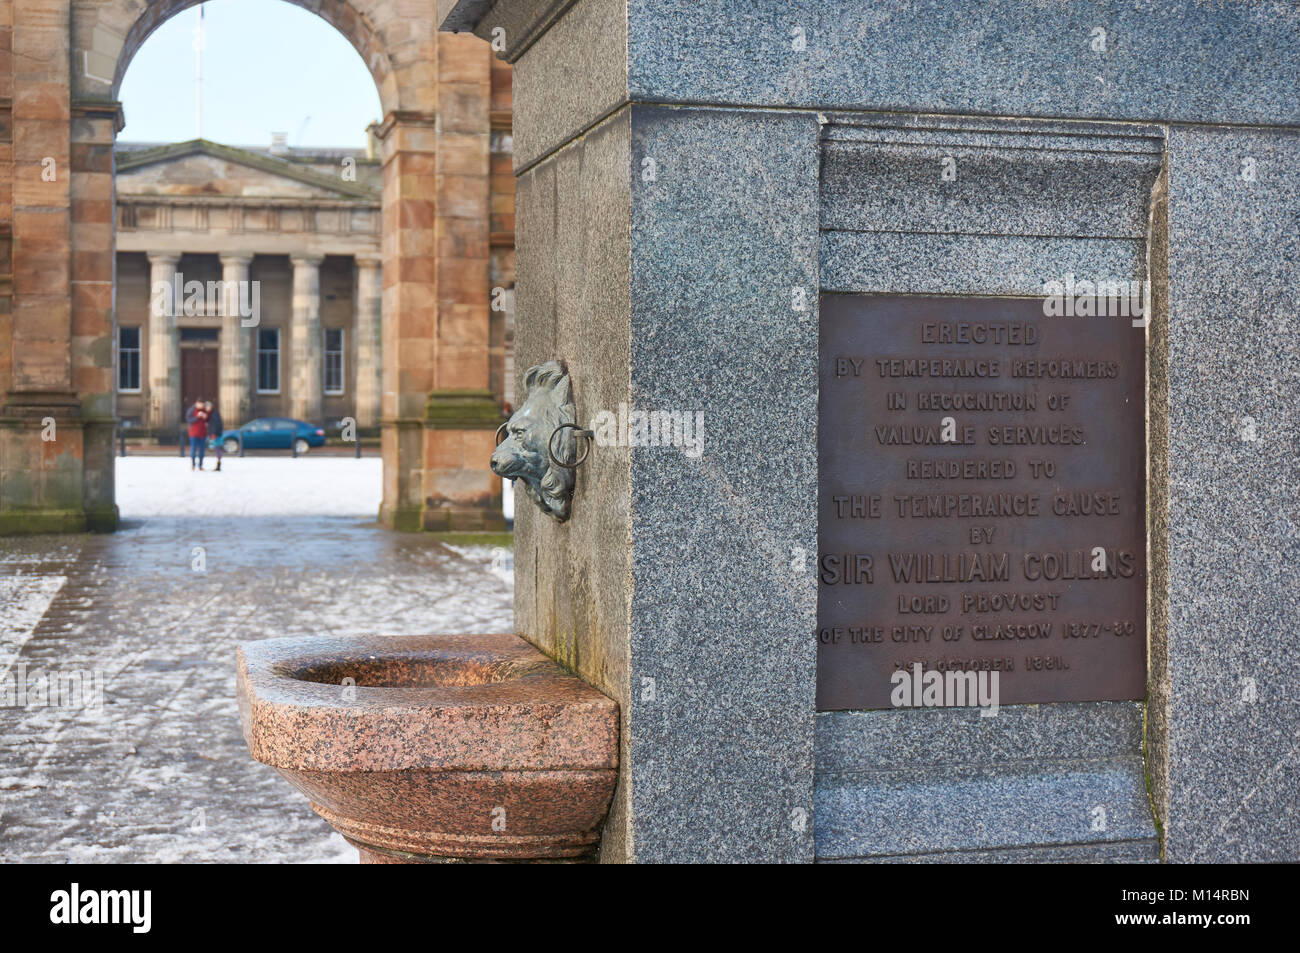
<point x="523" y="454"/>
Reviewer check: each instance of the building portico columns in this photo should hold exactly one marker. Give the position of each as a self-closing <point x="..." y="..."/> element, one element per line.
<point x="369" y="310"/>
<point x="164" y="343"/>
<point x="236" y="333"/>
<point x="306" y="346"/>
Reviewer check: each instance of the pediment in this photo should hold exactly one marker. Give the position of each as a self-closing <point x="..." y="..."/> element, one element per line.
<point x="207" y="169"/>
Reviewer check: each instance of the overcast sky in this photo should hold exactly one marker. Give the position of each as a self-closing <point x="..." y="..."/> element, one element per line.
<point x="268" y="66"/>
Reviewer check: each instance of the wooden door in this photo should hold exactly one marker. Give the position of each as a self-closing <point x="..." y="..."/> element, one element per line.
<point x="198" y="376"/>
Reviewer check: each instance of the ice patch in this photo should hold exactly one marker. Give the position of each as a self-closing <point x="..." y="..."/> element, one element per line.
<point x="333" y="850"/>
<point x="24" y="600"/>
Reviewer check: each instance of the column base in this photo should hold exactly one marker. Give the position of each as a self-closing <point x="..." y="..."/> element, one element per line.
<point x="23" y="522"/>
<point x="436" y="472"/>
<point x="403" y="519"/>
<point x="442" y="519"/>
<point x="463" y="519"/>
<point x="103" y="519"/>
<point x="55" y="466"/>
<point x="461" y="493"/>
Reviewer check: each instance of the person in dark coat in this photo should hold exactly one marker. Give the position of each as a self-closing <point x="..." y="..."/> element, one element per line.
<point x="215" y="429"/>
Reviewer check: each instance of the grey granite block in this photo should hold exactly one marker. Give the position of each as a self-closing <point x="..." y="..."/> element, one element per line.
<point x="934" y="205"/>
<point x="850" y="742"/>
<point x="970" y="264"/>
<point x="992" y="132"/>
<point x="724" y="609"/>
<point x="934" y="781"/>
<point x="1188" y="61"/>
<point x="1169" y="60"/>
<point x="1022" y="190"/>
<point x="912" y="810"/>
<point x="1184" y="60"/>
<point x="1225" y="725"/>
<point x="574" y="74"/>
<point x="572" y="580"/>
<point x="1121" y="852"/>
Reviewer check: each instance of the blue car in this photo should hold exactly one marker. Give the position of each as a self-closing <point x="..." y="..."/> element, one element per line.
<point x="273" y="433"/>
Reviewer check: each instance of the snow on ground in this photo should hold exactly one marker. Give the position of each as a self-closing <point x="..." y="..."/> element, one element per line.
<point x="24" y="599"/>
<point x="158" y="771"/>
<point x="250" y="486"/>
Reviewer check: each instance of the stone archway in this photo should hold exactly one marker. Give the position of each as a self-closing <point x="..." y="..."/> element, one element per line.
<point x="438" y="409"/>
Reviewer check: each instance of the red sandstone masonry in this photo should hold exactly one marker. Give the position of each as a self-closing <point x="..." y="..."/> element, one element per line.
<point x="61" y="66"/>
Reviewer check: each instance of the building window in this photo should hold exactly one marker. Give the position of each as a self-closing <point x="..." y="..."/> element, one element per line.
<point x="128" y="360"/>
<point x="333" y="360"/>
<point x="268" y="360"/>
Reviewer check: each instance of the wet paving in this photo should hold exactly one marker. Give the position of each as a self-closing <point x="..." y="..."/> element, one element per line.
<point x="158" y="772"/>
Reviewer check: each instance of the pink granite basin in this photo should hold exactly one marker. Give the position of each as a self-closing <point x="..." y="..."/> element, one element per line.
<point x="432" y="747"/>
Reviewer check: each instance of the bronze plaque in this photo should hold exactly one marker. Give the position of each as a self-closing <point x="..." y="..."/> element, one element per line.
<point x="981" y="498"/>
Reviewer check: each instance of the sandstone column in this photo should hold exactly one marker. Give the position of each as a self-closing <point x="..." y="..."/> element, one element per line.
<point x="94" y="129"/>
<point x="236" y="333"/>
<point x="306" y="345"/>
<point x="40" y="411"/>
<point x="461" y="413"/>
<point x="409" y="143"/>
<point x="164" y="344"/>
<point x="369" y="312"/>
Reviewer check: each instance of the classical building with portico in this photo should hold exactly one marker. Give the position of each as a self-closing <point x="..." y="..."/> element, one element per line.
<point x="251" y="278"/>
<point x="444" y="233"/>
<point x="272" y="266"/>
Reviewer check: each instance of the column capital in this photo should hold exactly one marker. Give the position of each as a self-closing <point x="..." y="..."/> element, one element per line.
<point x="84" y="107"/>
<point x="164" y="257"/>
<point x="236" y="259"/>
<point x="306" y="261"/>
<point x="405" y="117"/>
<point x="369" y="261"/>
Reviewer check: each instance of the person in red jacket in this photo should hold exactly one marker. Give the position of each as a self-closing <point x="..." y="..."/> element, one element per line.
<point x="197" y="418"/>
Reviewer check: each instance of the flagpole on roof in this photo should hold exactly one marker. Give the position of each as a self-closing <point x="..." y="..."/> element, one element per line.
<point x="198" y="78"/>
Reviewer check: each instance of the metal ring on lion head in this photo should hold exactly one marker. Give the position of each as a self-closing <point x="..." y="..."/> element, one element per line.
<point x="499" y="429"/>
<point x="577" y="432"/>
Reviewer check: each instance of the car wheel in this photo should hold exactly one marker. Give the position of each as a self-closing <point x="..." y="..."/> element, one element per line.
<point x="230" y="445"/>
<point x="300" y="445"/>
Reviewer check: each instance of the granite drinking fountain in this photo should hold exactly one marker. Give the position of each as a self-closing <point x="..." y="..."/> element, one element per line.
<point x="447" y="747"/>
<point x="431" y="748"/>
